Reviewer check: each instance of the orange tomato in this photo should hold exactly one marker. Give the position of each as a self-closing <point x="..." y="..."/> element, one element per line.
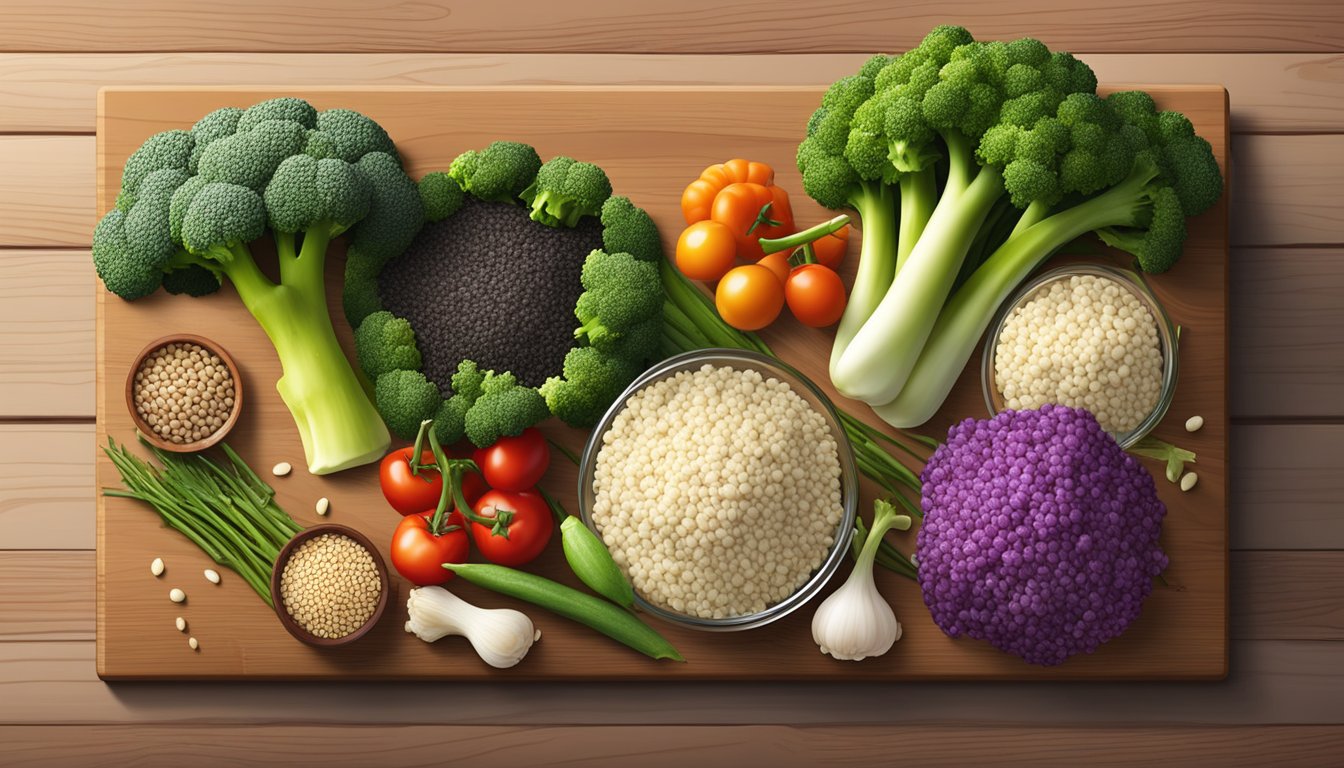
<point x="698" y="198"/>
<point x="777" y="262"/>
<point x="830" y="249"/>
<point x="742" y="207"/>
<point x="749" y="297"/>
<point x="706" y="250"/>
<point x="816" y="296"/>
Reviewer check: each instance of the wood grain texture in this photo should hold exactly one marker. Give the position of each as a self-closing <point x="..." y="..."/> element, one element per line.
<point x="670" y="746"/>
<point x="1272" y="682"/>
<point x="45" y="92"/>
<point x="1182" y="633"/>
<point x="47" y="195"/>
<point x="46" y="333"/>
<point x="1287" y="190"/>
<point x="693" y="26"/>
<point x="46" y="486"/>
<point x="47" y="596"/>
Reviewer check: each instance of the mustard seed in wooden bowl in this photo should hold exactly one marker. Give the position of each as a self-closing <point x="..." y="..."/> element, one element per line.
<point x="329" y="585"/>
<point x="184" y="393"/>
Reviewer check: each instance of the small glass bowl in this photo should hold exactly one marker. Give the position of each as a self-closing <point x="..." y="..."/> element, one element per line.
<point x="849" y="489"/>
<point x="1166" y="336"/>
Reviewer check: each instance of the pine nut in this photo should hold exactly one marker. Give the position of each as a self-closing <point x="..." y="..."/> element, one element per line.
<point x="177" y="595"/>
<point x="281" y="469"/>
<point x="181" y="624"/>
<point x="1194" y="423"/>
<point x="1188" y="481"/>
<point x="156" y="567"/>
<point x="192" y="642"/>
<point x="211" y="575"/>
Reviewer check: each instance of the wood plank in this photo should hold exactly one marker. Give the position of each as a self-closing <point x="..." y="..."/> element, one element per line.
<point x="1286" y="310"/>
<point x="48" y="92"/>
<point x="46" y="197"/>
<point x="1272" y="682"/>
<point x="46" y="486"/>
<point x="1287" y="190"/>
<point x="1286" y="489"/>
<point x="1183" y="631"/>
<point x="46" y="333"/>
<point x="47" y="596"/>
<point x="672" y="746"/>
<point x="695" y="26"/>
<point x="1275" y="595"/>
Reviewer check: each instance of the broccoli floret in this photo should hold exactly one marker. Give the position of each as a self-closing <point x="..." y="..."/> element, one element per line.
<point x="450" y="421"/>
<point x="406" y="398"/>
<point x="162" y="151"/>
<point x="285" y="108"/>
<point x="395" y="212"/>
<point x="214" y="126"/>
<point x="359" y="293"/>
<point x="222" y="220"/>
<point x="441" y="195"/>
<point x="385" y="342"/>
<point x="132" y="249"/>
<point x="620" y="293"/>
<point x="628" y="229"/>
<point x="319" y="199"/>
<point x="504" y="409"/>
<point x="498" y="173"/>
<point x="565" y="191"/>
<point x="592" y="380"/>
<point x="348" y="135"/>
<point x="250" y="158"/>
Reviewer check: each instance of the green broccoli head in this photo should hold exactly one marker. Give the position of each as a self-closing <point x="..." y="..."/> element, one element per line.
<point x="211" y="128"/>
<point x="385" y="342"/>
<point x="504" y="409"/>
<point x="498" y="173"/>
<point x="565" y="191"/>
<point x="591" y="382"/>
<point x="620" y="292"/>
<point x="1159" y="237"/>
<point x="344" y="134"/>
<point x="450" y="421"/>
<point x="1185" y="159"/>
<point x="133" y="248"/>
<point x="222" y="218"/>
<point x="627" y="228"/>
<point x="287" y="108"/>
<point x="249" y="158"/>
<point x="306" y="192"/>
<point x="395" y="212"/>
<point x="162" y="151"/>
<point x="359" y="292"/>
<point x="406" y="398"/>
<point x="441" y="195"/>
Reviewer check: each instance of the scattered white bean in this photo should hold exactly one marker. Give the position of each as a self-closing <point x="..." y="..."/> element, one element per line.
<point x="322" y="506"/>
<point x="1188" y="481"/>
<point x="536" y="636"/>
<point x="192" y="642"/>
<point x="281" y="469"/>
<point x="156" y="567"/>
<point x="177" y="595"/>
<point x="181" y="624"/>
<point x="1194" y="423"/>
<point x="211" y="575"/>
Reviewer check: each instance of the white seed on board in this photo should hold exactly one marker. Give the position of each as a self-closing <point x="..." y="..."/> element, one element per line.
<point x="177" y="595"/>
<point x="156" y="567"/>
<point x="281" y="469"/>
<point x="536" y="636"/>
<point x="322" y="506"/>
<point x="211" y="575"/>
<point x="1188" y="481"/>
<point x="192" y="642"/>
<point x="181" y="624"/>
<point x="1194" y="423"/>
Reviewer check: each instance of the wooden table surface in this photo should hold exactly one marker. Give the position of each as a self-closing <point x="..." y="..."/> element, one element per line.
<point x="1283" y="702"/>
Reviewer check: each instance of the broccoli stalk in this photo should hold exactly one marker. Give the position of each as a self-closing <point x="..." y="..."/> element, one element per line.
<point x="305" y="177"/>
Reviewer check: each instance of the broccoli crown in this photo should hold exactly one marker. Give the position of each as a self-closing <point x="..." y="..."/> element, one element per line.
<point x="250" y="158"/>
<point x="131" y="248"/>
<point x="395" y="212"/>
<point x="385" y="342"/>
<point x="209" y="129"/>
<point x="1158" y="237"/>
<point x="162" y="151"/>
<point x="504" y="409"/>
<point x="498" y="173"/>
<point x="1185" y="159"/>
<point x="629" y="229"/>
<point x="1057" y="554"/>
<point x="565" y="191"/>
<point x="287" y="108"/>
<point x="620" y="293"/>
<point x="347" y="135"/>
<point x="592" y="380"/>
<point x="305" y="192"/>
<point x="222" y="216"/>
<point x="467" y="380"/>
<point x="406" y="398"/>
<point x="441" y="195"/>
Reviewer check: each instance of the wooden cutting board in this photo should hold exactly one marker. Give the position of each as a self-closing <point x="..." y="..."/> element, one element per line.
<point x="651" y="141"/>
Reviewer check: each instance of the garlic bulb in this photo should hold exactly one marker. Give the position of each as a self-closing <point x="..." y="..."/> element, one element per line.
<point x="855" y="622"/>
<point x="501" y="636"/>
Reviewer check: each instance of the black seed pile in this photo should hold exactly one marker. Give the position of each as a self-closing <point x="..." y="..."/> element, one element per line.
<point x="491" y="285"/>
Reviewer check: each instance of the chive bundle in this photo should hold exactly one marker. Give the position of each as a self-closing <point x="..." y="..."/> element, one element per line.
<point x="227" y="511"/>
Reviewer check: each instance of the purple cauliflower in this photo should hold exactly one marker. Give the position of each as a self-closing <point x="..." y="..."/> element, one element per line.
<point x="1039" y="534"/>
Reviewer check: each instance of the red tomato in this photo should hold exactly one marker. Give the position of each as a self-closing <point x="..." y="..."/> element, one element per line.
<point x="514" y="463"/>
<point x="529" y="531"/>
<point x="418" y="554"/>
<point x="815" y="295"/>
<point x="407" y="492"/>
<point x="749" y="297"/>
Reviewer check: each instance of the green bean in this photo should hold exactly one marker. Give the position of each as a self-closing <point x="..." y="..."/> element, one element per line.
<point x="611" y="620"/>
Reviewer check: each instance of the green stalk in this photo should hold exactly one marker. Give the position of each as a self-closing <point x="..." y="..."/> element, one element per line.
<point x="811" y="234"/>
<point x="876" y="206"/>
<point x="919" y="198"/>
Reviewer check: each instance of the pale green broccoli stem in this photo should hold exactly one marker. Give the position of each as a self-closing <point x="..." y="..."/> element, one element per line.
<point x="919" y="196"/>
<point x="967" y="313"/>
<point x="876" y="206"/>
<point x="1035" y="212"/>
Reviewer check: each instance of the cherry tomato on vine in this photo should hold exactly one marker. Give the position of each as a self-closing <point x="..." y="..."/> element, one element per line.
<point x="418" y="554"/>
<point x="407" y="492"/>
<point x="513" y="463"/>
<point x="829" y="250"/>
<point x="816" y="295"/>
<point x="706" y="250"/>
<point x="777" y="262"/>
<point x="752" y="211"/>
<point x="529" y="530"/>
<point x="749" y="297"/>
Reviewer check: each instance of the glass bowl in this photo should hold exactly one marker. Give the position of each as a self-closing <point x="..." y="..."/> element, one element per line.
<point x="1166" y="336"/>
<point x="849" y="491"/>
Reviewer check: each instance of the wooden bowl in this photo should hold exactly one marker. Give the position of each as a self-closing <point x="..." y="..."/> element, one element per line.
<point x="147" y="431"/>
<point x="282" y="559"/>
